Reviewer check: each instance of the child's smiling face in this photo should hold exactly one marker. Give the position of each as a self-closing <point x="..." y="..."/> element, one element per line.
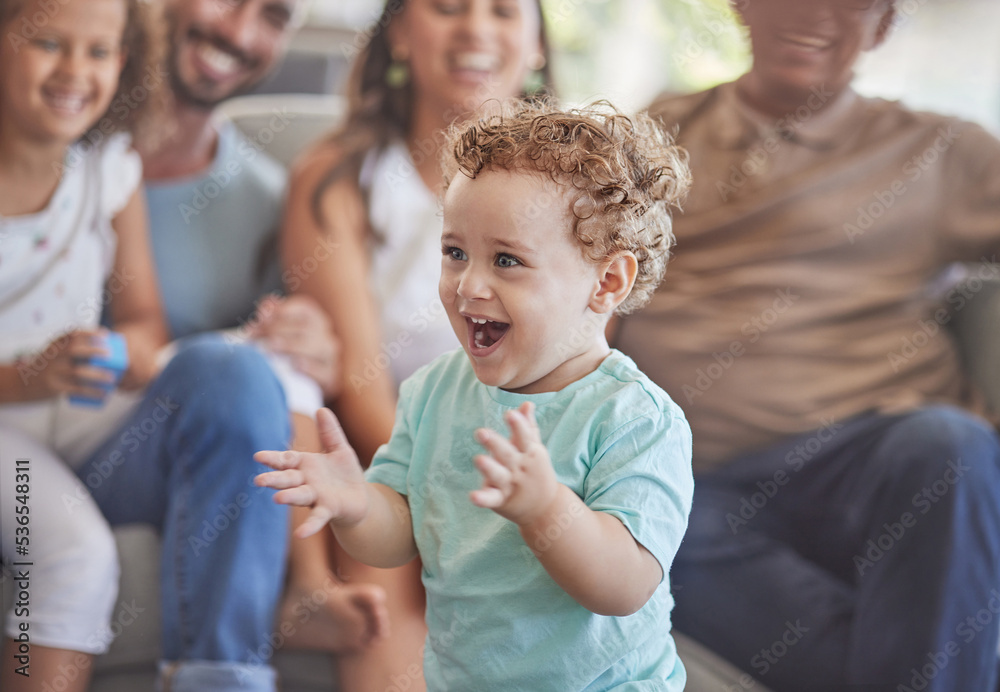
<point x="511" y="260"/>
<point x="57" y="84"/>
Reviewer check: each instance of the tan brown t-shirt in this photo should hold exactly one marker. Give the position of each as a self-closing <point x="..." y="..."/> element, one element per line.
<point x="800" y="292"/>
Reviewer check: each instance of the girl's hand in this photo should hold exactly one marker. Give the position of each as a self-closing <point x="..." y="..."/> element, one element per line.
<point x="519" y="482"/>
<point x="331" y="483"/>
<point x="68" y="372"/>
<point x="297" y="327"/>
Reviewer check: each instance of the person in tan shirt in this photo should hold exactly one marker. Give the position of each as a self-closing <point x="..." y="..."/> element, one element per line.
<point x="846" y="524"/>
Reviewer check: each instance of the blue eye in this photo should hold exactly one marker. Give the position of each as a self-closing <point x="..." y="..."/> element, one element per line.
<point x="49" y="45"/>
<point x="454" y="253"/>
<point x="100" y="52"/>
<point x="505" y="261"/>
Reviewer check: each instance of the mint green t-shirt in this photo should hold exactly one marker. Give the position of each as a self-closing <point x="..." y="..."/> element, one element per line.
<point x="496" y="620"/>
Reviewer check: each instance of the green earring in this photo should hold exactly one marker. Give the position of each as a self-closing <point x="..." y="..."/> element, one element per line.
<point x="397" y="75"/>
<point x="534" y="82"/>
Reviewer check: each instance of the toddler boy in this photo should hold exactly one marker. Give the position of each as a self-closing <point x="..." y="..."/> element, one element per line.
<point x="545" y="559"/>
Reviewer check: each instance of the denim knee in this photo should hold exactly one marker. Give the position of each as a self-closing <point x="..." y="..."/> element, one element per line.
<point x="225" y="373"/>
<point x="944" y="444"/>
<point x="229" y="389"/>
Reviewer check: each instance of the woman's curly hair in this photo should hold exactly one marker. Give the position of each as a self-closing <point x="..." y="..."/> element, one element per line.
<point x="626" y="170"/>
<point x="142" y="92"/>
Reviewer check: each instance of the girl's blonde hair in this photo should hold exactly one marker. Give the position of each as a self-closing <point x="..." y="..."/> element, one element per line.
<point x="140" y="99"/>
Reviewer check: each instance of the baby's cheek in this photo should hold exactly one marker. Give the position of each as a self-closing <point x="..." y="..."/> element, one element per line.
<point x="447" y="289"/>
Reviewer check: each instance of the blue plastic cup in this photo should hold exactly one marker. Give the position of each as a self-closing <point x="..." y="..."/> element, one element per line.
<point x="116" y="362"/>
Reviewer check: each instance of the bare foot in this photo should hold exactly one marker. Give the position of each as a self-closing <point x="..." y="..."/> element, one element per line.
<point x="334" y="617"/>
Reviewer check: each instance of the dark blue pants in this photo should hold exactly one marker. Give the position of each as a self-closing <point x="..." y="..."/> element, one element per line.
<point x="862" y="556"/>
<point x="183" y="462"/>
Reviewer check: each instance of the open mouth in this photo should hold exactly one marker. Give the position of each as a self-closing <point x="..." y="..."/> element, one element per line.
<point x="221" y="63"/>
<point x="216" y="55"/>
<point x="477" y="61"/>
<point x="806" y="42"/>
<point x="485" y="335"/>
<point x="66" y="103"/>
<point x="475" y="66"/>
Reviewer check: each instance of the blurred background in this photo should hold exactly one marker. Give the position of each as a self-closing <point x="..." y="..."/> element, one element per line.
<point x="944" y="55"/>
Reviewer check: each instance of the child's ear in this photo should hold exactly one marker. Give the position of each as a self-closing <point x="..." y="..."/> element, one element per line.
<point x="615" y="280"/>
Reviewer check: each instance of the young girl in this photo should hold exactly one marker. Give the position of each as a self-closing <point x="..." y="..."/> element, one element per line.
<point x="546" y="559"/>
<point x="74" y="82"/>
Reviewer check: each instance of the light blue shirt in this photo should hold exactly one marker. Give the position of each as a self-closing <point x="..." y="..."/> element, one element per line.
<point x="211" y="236"/>
<point x="496" y="619"/>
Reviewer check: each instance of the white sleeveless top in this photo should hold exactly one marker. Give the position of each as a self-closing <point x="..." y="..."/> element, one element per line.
<point x="54" y="264"/>
<point x="406" y="262"/>
<point x="56" y="275"/>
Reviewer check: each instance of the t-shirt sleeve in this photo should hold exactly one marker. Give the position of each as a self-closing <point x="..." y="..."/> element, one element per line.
<point x="391" y="464"/>
<point x="642" y="475"/>
<point x="970" y="207"/>
<point x="121" y="174"/>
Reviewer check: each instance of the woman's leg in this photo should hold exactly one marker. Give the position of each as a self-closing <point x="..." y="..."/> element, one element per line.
<point x="397" y="662"/>
<point x="319" y="611"/>
<point x="373" y="617"/>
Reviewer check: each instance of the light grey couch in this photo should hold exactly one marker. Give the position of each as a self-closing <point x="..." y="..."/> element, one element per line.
<point x="130" y="665"/>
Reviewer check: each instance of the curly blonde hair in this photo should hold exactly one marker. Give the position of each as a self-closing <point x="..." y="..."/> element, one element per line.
<point x="141" y="97"/>
<point x="626" y="170"/>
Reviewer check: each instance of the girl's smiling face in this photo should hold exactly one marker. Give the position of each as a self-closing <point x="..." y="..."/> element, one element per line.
<point x="516" y="286"/>
<point x="56" y="85"/>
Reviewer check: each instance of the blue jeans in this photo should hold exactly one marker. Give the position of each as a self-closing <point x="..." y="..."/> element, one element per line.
<point x="862" y="556"/>
<point x="183" y="463"/>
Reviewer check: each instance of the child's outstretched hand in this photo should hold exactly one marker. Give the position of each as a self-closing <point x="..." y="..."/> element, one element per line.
<point x="519" y="482"/>
<point x="331" y="483"/>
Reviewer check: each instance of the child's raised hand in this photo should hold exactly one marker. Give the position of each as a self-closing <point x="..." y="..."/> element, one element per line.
<point x="332" y="482"/>
<point x="67" y="371"/>
<point x="519" y="482"/>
